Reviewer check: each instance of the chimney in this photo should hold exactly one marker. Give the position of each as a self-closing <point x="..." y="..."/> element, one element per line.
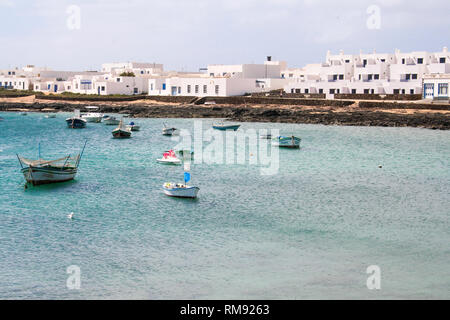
<point x="269" y="58"/>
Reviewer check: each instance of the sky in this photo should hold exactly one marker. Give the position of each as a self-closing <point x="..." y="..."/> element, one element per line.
<point x="186" y="35"/>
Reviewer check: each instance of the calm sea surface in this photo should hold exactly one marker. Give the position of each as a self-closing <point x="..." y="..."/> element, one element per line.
<point x="309" y="231"/>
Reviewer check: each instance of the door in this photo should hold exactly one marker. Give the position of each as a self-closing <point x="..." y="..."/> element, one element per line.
<point x="56" y="88"/>
<point x="428" y="90"/>
<point x="174" y="91"/>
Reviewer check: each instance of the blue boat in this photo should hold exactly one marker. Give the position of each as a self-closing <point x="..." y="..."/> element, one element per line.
<point x="76" y="123"/>
<point x="287" y="142"/>
<point x="224" y="127"/>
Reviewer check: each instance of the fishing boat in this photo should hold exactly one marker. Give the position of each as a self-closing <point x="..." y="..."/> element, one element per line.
<point x="92" y="117"/>
<point x="169" y="157"/>
<point x="111" y="121"/>
<point x="182" y="190"/>
<point x="120" y="132"/>
<point x="42" y="171"/>
<point x="287" y="142"/>
<point x="133" y="127"/>
<point x="166" y="131"/>
<point x="222" y="126"/>
<point x="76" y="121"/>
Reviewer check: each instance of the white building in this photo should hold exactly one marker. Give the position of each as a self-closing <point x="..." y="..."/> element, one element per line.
<point x="138" y="68"/>
<point x="374" y="73"/>
<point x="435" y="86"/>
<point x="222" y="80"/>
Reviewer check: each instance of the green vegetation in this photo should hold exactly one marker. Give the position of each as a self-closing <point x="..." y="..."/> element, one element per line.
<point x="127" y="74"/>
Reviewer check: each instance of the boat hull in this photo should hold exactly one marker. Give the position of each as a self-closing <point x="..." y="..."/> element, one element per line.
<point x="38" y="176"/>
<point x="169" y="131"/>
<point x="169" y="161"/>
<point x="93" y="119"/>
<point x="230" y="127"/>
<point x="188" y="192"/>
<point x="293" y="143"/>
<point x="121" y="134"/>
<point x="133" y="128"/>
<point x="76" y="123"/>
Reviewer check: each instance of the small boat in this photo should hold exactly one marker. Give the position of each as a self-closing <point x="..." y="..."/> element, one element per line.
<point x="111" y="121"/>
<point x="169" y="157"/>
<point x="223" y="127"/>
<point x="166" y="131"/>
<point x="50" y="116"/>
<point x="287" y="142"/>
<point x="92" y="117"/>
<point x="43" y="171"/>
<point x="180" y="190"/>
<point x="23" y="113"/>
<point x="120" y="132"/>
<point x="133" y="127"/>
<point x="76" y="121"/>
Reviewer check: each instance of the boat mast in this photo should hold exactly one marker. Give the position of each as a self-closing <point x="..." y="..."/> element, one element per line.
<point x="81" y="154"/>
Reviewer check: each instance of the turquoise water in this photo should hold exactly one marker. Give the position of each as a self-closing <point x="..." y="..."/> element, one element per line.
<point x="306" y="232"/>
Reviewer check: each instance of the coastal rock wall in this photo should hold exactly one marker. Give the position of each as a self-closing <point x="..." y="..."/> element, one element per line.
<point x="403" y="105"/>
<point x="363" y="96"/>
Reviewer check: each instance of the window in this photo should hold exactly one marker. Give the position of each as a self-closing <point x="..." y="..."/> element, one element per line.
<point x="297" y="90"/>
<point x="347" y="61"/>
<point x="103" y="88"/>
<point x="411" y="91"/>
<point x="217" y="89"/>
<point x="408" y="76"/>
<point x="68" y="87"/>
<point x="376" y="76"/>
<point x="419" y="60"/>
<point x="442" y="60"/>
<point x="211" y="74"/>
<point x="414" y="76"/>
<point x="335" y="76"/>
<point x="48" y="87"/>
<point x="369" y="77"/>
<point x="196" y="88"/>
<point x="372" y="91"/>
<point x="331" y="91"/>
<point x="142" y="71"/>
<point x="282" y="75"/>
<point x="403" y="61"/>
<point x="320" y="90"/>
<point x="205" y="88"/>
<point x="179" y="90"/>
<point x="366" y="91"/>
<point x="359" y="77"/>
<point x="164" y="86"/>
<point x="291" y="75"/>
<point x="118" y="79"/>
<point x="383" y="60"/>
<point x="135" y="90"/>
<point x="403" y="91"/>
<point x="188" y="89"/>
<point x="341" y="77"/>
<point x="292" y="90"/>
<point x="151" y="86"/>
<point x="396" y="91"/>
<point x="443" y="89"/>
<point x="364" y="62"/>
<point x="353" y="91"/>
<point x="306" y="90"/>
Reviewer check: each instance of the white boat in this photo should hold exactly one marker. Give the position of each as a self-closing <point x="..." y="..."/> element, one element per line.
<point x="169" y="157"/>
<point x="133" y="127"/>
<point x="111" y="121"/>
<point x="180" y="190"/>
<point x="92" y="117"/>
<point x="76" y="121"/>
<point x="43" y="171"/>
<point x="166" y="131"/>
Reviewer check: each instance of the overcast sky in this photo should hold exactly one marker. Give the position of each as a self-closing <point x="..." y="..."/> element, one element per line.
<point x="186" y="35"/>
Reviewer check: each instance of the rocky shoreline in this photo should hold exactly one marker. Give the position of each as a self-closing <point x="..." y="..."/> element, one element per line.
<point x="349" y="116"/>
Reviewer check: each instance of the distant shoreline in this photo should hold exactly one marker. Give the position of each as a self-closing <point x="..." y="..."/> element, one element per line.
<point x="349" y="113"/>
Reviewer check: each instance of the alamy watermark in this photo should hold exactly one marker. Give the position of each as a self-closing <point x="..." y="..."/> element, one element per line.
<point x="74" y="279"/>
<point x="231" y="147"/>
<point x="374" y="280"/>
<point x="73" y="21"/>
<point x="374" y="20"/>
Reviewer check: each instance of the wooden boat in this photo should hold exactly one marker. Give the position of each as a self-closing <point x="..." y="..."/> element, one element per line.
<point x="120" y="132"/>
<point x="76" y="122"/>
<point x="166" y="131"/>
<point x="287" y="142"/>
<point x="43" y="171"/>
<point x="111" y="121"/>
<point x="223" y="127"/>
<point x="133" y="127"/>
<point x="169" y="157"/>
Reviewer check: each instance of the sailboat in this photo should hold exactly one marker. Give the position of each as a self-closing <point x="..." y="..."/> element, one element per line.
<point x="42" y="171"/>
<point x="182" y="190"/>
<point x="166" y="131"/>
<point x="120" y="132"/>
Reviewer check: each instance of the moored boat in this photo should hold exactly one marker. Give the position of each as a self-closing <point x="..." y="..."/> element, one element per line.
<point x="287" y="142"/>
<point x="180" y="190"/>
<point x="111" y="121"/>
<point x="166" y="131"/>
<point x="169" y="157"/>
<point x="133" y="127"/>
<point x="120" y="132"/>
<point x="42" y="171"/>
<point x="76" y="122"/>
<point x="224" y="127"/>
<point x="92" y="117"/>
